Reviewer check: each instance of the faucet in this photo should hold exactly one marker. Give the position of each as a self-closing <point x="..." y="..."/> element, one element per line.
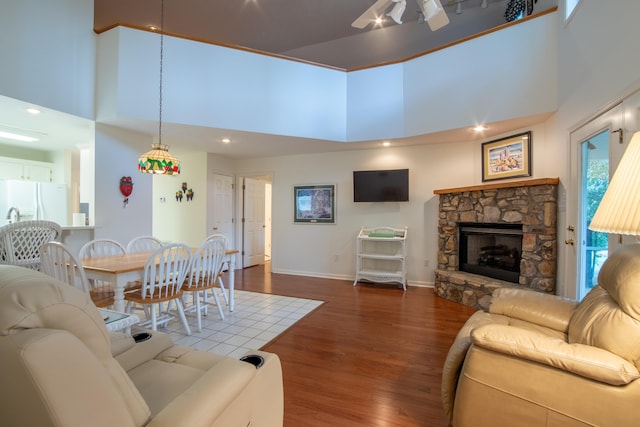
<point x="13" y="209"/>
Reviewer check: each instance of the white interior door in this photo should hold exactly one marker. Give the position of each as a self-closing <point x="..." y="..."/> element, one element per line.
<point x="253" y="222"/>
<point x="220" y="207"/>
<point x="596" y="149"/>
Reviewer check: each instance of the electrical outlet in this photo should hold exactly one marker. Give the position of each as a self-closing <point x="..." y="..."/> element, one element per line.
<point x="426" y="263"/>
<point x="336" y="258"/>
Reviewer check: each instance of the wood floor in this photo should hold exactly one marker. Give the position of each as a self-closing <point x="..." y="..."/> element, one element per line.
<point x="371" y="355"/>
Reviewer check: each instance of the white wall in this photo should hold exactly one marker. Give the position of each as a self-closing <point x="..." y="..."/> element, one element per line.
<point x="213" y="86"/>
<point x="116" y="155"/>
<point x="329" y="250"/>
<point x="50" y="60"/>
<point x="182" y="221"/>
<point x="598" y="64"/>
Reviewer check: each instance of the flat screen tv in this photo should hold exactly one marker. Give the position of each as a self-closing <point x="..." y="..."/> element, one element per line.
<point x="381" y="186"/>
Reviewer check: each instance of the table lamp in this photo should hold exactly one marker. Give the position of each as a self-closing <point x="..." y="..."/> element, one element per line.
<point x="619" y="209"/>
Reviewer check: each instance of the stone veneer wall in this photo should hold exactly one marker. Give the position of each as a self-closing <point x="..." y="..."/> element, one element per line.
<point x="532" y="203"/>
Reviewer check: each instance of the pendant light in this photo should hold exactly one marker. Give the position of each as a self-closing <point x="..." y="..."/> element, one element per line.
<point x="159" y="160"/>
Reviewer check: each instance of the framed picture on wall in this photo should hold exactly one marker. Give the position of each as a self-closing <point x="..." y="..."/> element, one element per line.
<point x="314" y="204"/>
<point x="508" y="157"/>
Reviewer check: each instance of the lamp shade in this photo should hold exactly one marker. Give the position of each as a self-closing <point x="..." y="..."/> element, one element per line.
<point x="159" y="161"/>
<point x="619" y="210"/>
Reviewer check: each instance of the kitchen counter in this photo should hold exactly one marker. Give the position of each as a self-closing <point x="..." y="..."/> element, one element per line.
<point x="75" y="236"/>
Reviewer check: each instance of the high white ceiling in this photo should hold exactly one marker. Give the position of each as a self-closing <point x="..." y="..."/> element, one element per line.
<point x="318" y="31"/>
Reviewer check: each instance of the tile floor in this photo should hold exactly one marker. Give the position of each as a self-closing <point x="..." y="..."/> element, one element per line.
<point x="256" y="320"/>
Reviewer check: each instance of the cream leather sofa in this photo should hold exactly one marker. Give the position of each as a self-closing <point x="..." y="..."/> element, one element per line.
<point x="59" y="366"/>
<point x="539" y="360"/>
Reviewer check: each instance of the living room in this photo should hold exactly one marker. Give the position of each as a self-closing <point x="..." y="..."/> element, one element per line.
<point x="551" y="74"/>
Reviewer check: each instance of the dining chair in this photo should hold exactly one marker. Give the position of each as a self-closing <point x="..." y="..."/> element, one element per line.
<point x="223" y="291"/>
<point x="20" y="241"/>
<point x="101" y="290"/>
<point x="203" y="275"/>
<point x="58" y="262"/>
<point x="101" y="247"/>
<point x="164" y="275"/>
<point x="143" y="244"/>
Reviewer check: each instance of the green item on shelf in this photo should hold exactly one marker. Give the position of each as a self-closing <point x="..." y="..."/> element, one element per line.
<point x="382" y="234"/>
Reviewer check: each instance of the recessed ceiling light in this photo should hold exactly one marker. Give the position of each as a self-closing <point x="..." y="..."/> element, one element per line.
<point x="378" y="20"/>
<point x="480" y="128"/>
<point x="386" y="143"/>
<point x="33" y="111"/>
<point x="226" y="140"/>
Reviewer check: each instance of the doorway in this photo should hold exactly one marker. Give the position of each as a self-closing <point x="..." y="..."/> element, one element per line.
<point x="254" y="233"/>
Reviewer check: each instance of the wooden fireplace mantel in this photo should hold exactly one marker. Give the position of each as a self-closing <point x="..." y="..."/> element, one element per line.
<point x="525" y="183"/>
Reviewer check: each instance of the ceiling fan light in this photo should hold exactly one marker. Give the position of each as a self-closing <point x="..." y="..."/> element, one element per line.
<point x="430" y="8"/>
<point x="397" y="11"/>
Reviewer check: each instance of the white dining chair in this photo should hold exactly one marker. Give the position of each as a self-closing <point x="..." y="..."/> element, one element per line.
<point x="57" y="261"/>
<point x="101" y="247"/>
<point x="203" y="275"/>
<point x="225" y="240"/>
<point x="102" y="290"/>
<point x="164" y="275"/>
<point x="143" y="244"/>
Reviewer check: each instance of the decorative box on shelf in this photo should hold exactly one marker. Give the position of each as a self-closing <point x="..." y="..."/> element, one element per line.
<point x="381" y="255"/>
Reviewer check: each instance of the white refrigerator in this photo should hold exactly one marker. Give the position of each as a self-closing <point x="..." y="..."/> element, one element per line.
<point x="34" y="201"/>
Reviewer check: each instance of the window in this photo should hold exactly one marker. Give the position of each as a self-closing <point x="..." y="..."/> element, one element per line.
<point x="570" y="6"/>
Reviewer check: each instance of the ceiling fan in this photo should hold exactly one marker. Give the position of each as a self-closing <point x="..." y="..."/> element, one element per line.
<point x="432" y="11"/>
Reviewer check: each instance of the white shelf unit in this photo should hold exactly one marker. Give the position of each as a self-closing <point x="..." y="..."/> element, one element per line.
<point x="381" y="255"/>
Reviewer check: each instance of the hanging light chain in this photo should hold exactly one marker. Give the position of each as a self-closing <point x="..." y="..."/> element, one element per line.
<point x="161" y="63"/>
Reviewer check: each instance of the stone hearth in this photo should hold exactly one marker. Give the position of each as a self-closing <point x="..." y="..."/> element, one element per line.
<point x="532" y="203"/>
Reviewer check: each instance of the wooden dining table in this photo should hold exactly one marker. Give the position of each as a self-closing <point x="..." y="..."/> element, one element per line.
<point x="125" y="268"/>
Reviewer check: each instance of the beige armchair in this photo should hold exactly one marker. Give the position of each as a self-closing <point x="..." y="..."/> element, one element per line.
<point x="61" y="367"/>
<point x="540" y="360"/>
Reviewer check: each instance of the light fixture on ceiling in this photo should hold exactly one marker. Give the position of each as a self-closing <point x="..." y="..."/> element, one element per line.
<point x="33" y="111"/>
<point x="479" y="128"/>
<point x="619" y="209"/>
<point x="386" y="143"/>
<point x="458" y="7"/>
<point x="226" y="140"/>
<point x="159" y="160"/>
<point x="397" y="11"/>
<point x="17" y="137"/>
<point x="433" y="13"/>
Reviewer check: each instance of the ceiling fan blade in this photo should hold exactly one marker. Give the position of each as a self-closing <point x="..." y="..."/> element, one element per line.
<point x="436" y="17"/>
<point x="372" y="13"/>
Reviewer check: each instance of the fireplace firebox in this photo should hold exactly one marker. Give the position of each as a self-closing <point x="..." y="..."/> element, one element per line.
<point x="492" y="250"/>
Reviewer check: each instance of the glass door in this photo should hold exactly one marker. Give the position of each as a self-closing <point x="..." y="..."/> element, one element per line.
<point x="595" y="152"/>
<point x="594" y="247"/>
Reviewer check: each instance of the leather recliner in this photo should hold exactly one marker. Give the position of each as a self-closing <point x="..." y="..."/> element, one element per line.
<point x="541" y="360"/>
<point x="59" y="366"/>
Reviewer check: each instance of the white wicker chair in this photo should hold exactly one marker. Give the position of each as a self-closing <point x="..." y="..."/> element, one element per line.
<point x="20" y="242"/>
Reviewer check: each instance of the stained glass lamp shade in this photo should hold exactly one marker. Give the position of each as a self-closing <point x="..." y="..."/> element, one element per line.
<point x="159" y="161"/>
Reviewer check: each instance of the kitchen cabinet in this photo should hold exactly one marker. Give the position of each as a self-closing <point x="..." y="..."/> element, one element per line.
<point x="25" y="170"/>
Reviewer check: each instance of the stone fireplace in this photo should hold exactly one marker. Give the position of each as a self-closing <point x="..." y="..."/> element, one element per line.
<point x="521" y="219"/>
